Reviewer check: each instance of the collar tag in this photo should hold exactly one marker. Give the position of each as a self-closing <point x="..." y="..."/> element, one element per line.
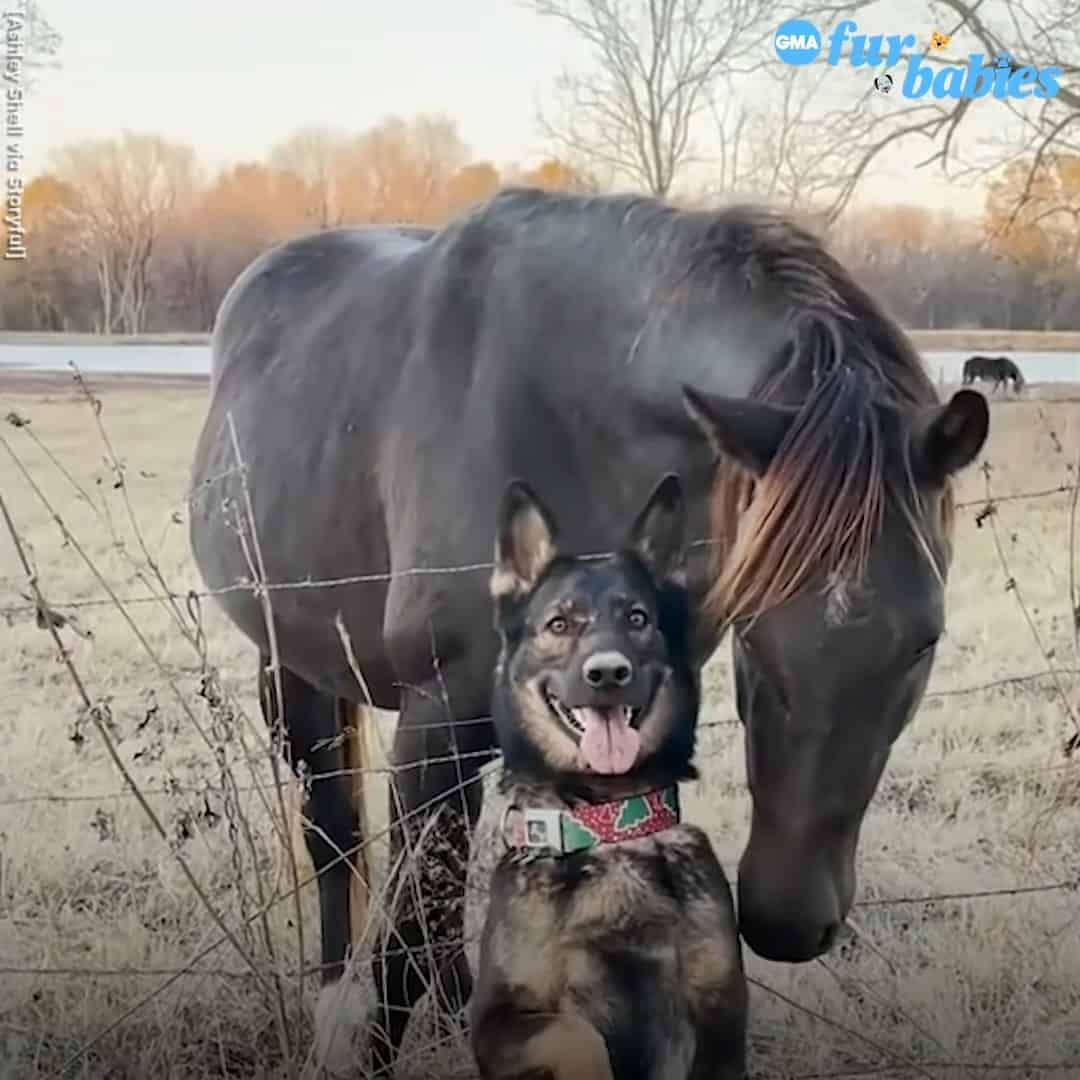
<point x="542" y="829"/>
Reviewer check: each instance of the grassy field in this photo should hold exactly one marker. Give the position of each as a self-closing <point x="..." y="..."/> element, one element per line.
<point x="96" y="911"/>
<point x="930" y="340"/>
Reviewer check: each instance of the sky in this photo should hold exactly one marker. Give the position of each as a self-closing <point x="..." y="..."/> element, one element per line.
<point x="232" y="77"/>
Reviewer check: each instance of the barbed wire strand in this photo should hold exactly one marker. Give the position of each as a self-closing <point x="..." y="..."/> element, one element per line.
<point x="88" y="971"/>
<point x="392" y="769"/>
<point x="388" y="576"/>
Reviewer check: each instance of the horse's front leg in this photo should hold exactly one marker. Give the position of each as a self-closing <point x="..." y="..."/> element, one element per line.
<point x="435" y="801"/>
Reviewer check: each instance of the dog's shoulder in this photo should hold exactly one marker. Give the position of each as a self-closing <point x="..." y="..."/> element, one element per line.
<point x="706" y="934"/>
<point x="697" y="879"/>
<point x="686" y="845"/>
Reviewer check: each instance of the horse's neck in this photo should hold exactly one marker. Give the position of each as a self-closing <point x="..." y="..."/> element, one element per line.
<point x="723" y="349"/>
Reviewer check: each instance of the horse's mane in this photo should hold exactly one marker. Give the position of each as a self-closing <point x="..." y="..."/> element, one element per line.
<point x="849" y="368"/>
<point x="845" y="363"/>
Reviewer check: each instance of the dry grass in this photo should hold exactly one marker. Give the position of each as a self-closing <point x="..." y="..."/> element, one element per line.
<point x="977" y="796"/>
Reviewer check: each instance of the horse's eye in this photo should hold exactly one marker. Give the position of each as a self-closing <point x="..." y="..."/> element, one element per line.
<point x="638" y="619"/>
<point x="557" y="625"/>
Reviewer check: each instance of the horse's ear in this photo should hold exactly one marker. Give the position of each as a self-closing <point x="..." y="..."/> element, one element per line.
<point x="750" y="432"/>
<point x="946" y="438"/>
<point x="658" y="535"/>
<point x="525" y="541"/>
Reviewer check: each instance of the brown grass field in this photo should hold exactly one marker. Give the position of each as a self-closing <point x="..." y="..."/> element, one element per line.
<point x="96" y="911"/>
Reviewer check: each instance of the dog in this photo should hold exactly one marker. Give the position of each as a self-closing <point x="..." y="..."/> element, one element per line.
<point x="610" y="949"/>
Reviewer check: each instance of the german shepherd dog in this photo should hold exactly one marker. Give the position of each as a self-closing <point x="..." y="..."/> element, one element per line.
<point x="610" y="950"/>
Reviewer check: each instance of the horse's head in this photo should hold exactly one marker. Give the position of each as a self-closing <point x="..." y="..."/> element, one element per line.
<point x="833" y="523"/>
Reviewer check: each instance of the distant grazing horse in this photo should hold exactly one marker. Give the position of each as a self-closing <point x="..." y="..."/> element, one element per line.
<point x="384" y="384"/>
<point x="999" y="368"/>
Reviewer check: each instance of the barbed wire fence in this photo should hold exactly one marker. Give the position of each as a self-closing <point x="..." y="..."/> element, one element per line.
<point x="264" y="875"/>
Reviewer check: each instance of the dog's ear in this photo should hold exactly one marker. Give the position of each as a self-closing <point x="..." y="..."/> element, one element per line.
<point x="658" y="535"/>
<point x="525" y="543"/>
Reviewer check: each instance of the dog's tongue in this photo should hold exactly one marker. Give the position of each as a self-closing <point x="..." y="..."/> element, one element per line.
<point x="609" y="744"/>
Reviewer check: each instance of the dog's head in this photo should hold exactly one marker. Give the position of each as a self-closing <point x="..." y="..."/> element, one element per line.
<point x="594" y="673"/>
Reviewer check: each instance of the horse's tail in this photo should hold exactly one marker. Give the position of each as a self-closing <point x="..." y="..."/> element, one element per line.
<point x="356" y="724"/>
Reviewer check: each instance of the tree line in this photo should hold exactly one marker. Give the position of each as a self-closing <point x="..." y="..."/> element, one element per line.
<point x="127" y="236"/>
<point x="682" y="99"/>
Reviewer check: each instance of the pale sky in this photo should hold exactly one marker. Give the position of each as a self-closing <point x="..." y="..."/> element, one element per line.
<point x="231" y="77"/>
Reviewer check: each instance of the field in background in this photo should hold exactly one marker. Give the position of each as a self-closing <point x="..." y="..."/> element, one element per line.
<point x="929" y="340"/>
<point x="996" y="341"/>
<point x="95" y="912"/>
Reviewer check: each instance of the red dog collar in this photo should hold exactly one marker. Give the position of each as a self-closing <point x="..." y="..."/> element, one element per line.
<point x="586" y="825"/>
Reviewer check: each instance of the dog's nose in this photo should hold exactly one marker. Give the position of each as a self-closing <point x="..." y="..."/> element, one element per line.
<point x="604" y="669"/>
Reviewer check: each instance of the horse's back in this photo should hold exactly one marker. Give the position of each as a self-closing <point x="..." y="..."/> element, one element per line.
<point x="282" y="290"/>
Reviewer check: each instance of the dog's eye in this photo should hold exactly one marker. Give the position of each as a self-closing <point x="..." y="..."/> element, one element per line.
<point x="557" y="625"/>
<point x="638" y="619"/>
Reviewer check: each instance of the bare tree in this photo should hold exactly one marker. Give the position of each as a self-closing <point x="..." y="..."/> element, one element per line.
<point x="315" y="156"/>
<point x="401" y="170"/>
<point x="662" y="68"/>
<point x="788" y="141"/>
<point x="43" y="43"/>
<point x="635" y="111"/>
<point x="128" y="189"/>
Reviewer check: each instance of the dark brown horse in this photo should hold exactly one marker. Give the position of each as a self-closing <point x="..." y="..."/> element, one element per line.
<point x="384" y="385"/>
<point x="997" y="369"/>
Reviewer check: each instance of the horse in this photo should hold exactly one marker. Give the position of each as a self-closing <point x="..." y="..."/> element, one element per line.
<point x="998" y="368"/>
<point x="373" y="391"/>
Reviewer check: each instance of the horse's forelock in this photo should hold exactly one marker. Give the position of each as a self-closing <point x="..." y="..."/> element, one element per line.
<point x="819" y="507"/>
<point x="822" y="502"/>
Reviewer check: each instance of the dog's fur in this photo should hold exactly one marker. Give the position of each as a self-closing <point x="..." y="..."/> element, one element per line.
<point x="621" y="962"/>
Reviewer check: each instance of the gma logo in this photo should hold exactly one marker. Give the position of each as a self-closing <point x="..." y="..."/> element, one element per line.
<point x="798" y="41"/>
